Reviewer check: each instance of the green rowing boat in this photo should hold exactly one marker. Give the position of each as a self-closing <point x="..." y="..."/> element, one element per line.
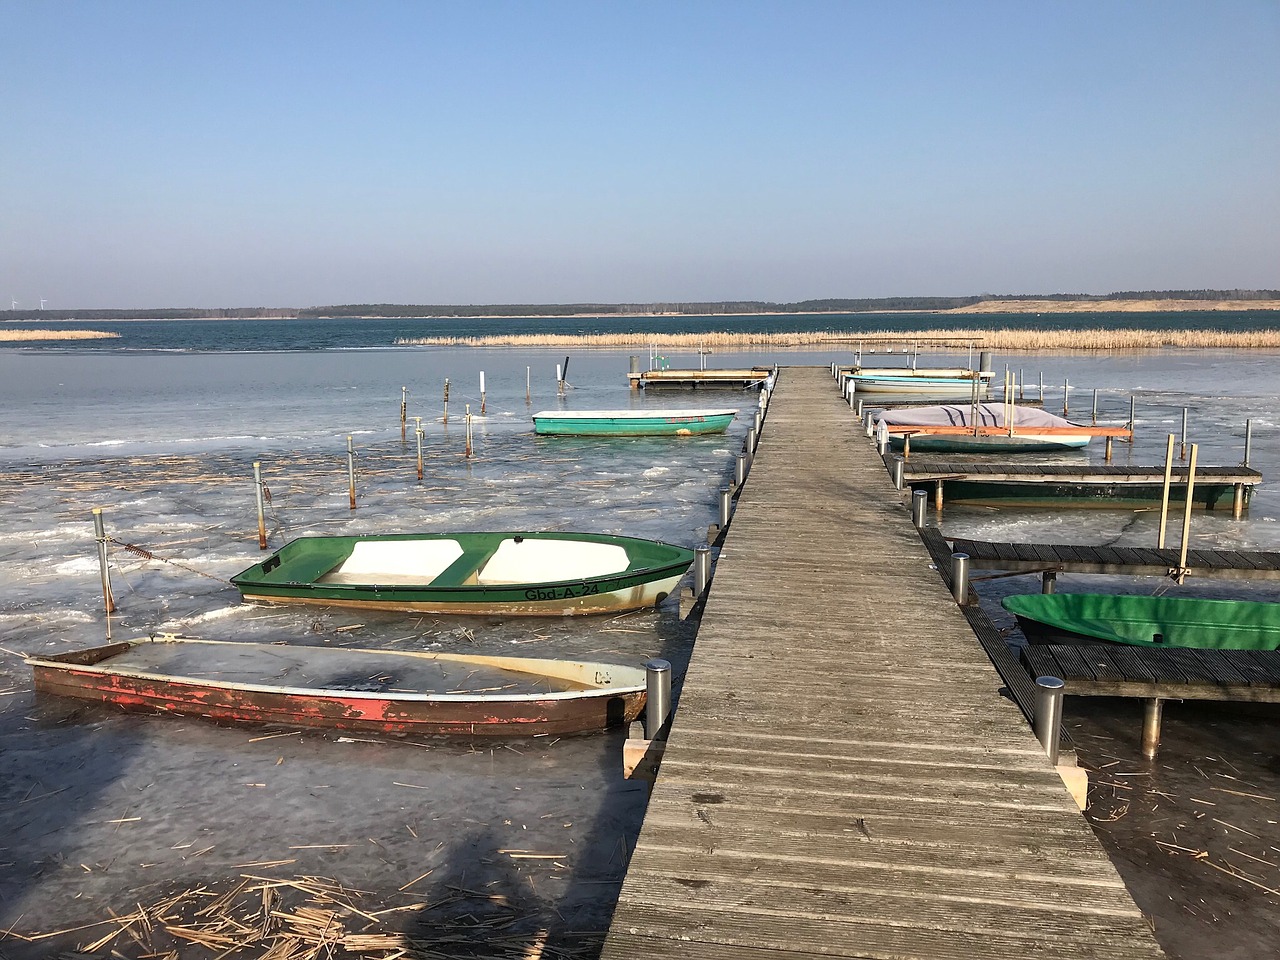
<point x="516" y="574"/>
<point x="1147" y="621"/>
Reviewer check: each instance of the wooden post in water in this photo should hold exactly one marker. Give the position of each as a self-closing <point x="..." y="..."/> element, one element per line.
<point x="1042" y="388"/>
<point x="1183" y="453"/>
<point x="351" y="471"/>
<point x="404" y="411"/>
<point x="262" y="513"/>
<point x="528" y="386"/>
<point x="100" y="534"/>
<point x="1022" y="385"/>
<point x="1164" y="496"/>
<point x="482" y="402"/>
<point x="468" y="451"/>
<point x="1133" y="412"/>
<point x="1095" y="409"/>
<point x="1186" y="513"/>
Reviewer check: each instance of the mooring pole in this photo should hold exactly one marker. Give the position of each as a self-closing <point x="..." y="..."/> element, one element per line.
<point x="740" y="470"/>
<point x="100" y="534"/>
<point x="468" y="451"/>
<point x="1186" y="512"/>
<point x="960" y="577"/>
<point x="726" y="506"/>
<point x="701" y="570"/>
<point x="351" y="472"/>
<point x="1049" y="692"/>
<point x="899" y="465"/>
<point x="262" y="512"/>
<point x="1248" y="440"/>
<point x="1066" y="396"/>
<point x="404" y="411"/>
<point x="1182" y="454"/>
<point x="919" y="501"/>
<point x="657" y="696"/>
<point x="482" y="402"/>
<point x="1095" y="406"/>
<point x="1164" y="496"/>
<point x="446" y="399"/>
<point x="418" y="434"/>
<point x="1151" y="712"/>
<point x="1133" y="410"/>
<point x="528" y="385"/>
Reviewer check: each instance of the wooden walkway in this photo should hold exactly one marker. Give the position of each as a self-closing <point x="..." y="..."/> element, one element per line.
<point x="1124" y="561"/>
<point x="843" y="777"/>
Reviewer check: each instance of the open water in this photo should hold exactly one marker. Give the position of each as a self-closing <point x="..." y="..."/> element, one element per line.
<point x="161" y="428"/>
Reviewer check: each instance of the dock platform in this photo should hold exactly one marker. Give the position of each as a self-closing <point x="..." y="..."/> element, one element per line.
<point x="1121" y="561"/>
<point x="843" y="776"/>
<point x="741" y="379"/>
<point x="1000" y="482"/>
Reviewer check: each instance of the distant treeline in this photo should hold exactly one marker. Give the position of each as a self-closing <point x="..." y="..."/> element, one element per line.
<point x="682" y="308"/>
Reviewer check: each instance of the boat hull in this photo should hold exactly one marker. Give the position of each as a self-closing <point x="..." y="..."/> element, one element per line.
<point x="1143" y="621"/>
<point x="919" y="386"/>
<point x="351" y="710"/>
<point x="1021" y="443"/>
<point x="506" y="574"/>
<point x="674" y="425"/>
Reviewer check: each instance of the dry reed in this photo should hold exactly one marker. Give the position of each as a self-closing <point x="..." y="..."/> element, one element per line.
<point x="1002" y="339"/>
<point x="22" y="336"/>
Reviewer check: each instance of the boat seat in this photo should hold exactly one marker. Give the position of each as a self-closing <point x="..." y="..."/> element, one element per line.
<point x="543" y="561"/>
<point x="396" y="562"/>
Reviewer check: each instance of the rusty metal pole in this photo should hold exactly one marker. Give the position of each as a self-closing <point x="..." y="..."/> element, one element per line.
<point x="262" y="513"/>
<point x="100" y="534"/>
<point x="404" y="412"/>
<point x="418" y="434"/>
<point x="351" y="472"/>
<point x="1151" y="713"/>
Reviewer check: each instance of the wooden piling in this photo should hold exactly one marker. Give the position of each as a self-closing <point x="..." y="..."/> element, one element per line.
<point x="262" y="513"/>
<point x="351" y="472"/>
<point x="446" y="400"/>
<point x="404" y="412"/>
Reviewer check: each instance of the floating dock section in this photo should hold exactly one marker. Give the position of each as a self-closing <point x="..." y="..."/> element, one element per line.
<point x="843" y="777"/>
<point x="699" y="379"/>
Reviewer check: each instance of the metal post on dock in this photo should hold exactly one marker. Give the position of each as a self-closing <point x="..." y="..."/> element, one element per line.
<point x="858" y="411"/>
<point x="1164" y="496"/>
<point x="759" y="421"/>
<point x="1248" y="440"/>
<point x="404" y="411"/>
<point x="882" y="437"/>
<point x="351" y="472"/>
<point x="868" y="423"/>
<point x="740" y="470"/>
<point x="701" y="570"/>
<point x="726" y="506"/>
<point x="1182" y="454"/>
<point x="1049" y="582"/>
<point x="657" y="696"/>
<point x="919" y="501"/>
<point x="749" y="449"/>
<point x="262" y="511"/>
<point x="1048" y="720"/>
<point x="1151" y="712"/>
<point x="960" y="577"/>
<point x="751" y="439"/>
<point x="100" y="534"/>
<point x="899" y="469"/>
<point x="482" y="403"/>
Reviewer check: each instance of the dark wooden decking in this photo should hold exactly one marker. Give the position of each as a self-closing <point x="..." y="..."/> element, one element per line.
<point x="922" y="468"/>
<point x="1125" y="561"/>
<point x="843" y="776"/>
<point x="700" y="379"/>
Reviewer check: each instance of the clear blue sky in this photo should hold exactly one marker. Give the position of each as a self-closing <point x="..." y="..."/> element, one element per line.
<point x="203" y="153"/>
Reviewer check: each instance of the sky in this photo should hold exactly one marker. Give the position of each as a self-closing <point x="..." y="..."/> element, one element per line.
<point x="241" y="154"/>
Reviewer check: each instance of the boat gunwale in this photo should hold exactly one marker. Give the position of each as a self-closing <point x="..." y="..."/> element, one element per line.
<point x="315" y="693"/>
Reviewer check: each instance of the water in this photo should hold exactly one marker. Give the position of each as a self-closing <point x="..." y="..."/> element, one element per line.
<point x="161" y="428"/>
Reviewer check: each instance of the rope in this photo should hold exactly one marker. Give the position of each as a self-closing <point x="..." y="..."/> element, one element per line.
<point x="146" y="554"/>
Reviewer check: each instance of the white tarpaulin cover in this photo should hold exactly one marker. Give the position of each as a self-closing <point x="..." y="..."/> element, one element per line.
<point x="957" y="415"/>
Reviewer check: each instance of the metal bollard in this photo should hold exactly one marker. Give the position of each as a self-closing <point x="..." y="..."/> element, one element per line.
<point x="740" y="470"/>
<point x="919" y="501"/>
<point x="701" y="570"/>
<point x="882" y="438"/>
<point x="751" y="438"/>
<point x="960" y="577"/>
<point x="759" y="421"/>
<point x="657" y="696"/>
<point x="1049" y="581"/>
<point x="858" y="408"/>
<point x="1049" y="692"/>
<point x="899" y="465"/>
<point x="726" y="506"/>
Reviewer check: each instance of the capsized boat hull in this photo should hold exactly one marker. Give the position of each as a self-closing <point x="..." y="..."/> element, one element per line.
<point x="382" y="691"/>
<point x="507" y="574"/>
<point x="628" y="423"/>
<point x="1143" y="621"/>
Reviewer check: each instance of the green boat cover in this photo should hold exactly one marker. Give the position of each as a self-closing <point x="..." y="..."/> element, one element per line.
<point x="1154" y="621"/>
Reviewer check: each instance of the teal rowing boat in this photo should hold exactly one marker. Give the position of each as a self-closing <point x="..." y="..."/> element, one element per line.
<point x="631" y="423"/>
<point x="1141" y="621"/>
<point x="516" y="574"/>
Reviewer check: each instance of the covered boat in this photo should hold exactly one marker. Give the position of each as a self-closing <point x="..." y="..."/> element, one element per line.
<point x="631" y="423"/>
<point x="983" y="427"/>
<point x="1147" y="621"/>
<point x="519" y="574"/>
<point x="924" y="383"/>
<point x="387" y="691"/>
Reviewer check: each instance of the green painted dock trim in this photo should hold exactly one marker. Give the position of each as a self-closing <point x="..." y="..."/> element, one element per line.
<point x="843" y="776"/>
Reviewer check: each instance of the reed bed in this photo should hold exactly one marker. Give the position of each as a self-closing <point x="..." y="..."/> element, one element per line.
<point x="20" y="336"/>
<point x="1005" y="339"/>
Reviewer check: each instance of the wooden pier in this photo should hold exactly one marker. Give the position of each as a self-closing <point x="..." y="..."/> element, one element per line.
<point x="699" y="379"/>
<point x="844" y="777"/>
<point x="1121" y="561"/>
<point x="1112" y="486"/>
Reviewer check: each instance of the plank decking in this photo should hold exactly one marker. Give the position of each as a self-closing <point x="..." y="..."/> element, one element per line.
<point x="843" y="777"/>
<point x="1124" y="561"/>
